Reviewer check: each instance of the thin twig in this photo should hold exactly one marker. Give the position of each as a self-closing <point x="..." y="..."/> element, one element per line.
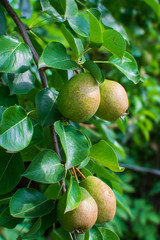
<point x="74" y="172"/>
<point x="74" y="236"/>
<point x="80" y="173"/>
<point x="141" y="169"/>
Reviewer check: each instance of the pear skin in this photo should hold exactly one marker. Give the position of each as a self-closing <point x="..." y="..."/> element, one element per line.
<point x="81" y="218"/>
<point x="104" y="197"/>
<point x="79" y="98"/>
<point x="114" y="101"/>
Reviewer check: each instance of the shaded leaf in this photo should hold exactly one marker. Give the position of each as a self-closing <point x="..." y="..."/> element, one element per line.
<point x="15" y="129"/>
<point x="154" y="4"/>
<point x="15" y="57"/>
<point x="55" y="56"/>
<point x="53" y="191"/>
<point x="45" y="168"/>
<point x="94" y="70"/>
<point x="28" y="202"/>
<point x="103" y="154"/>
<point x="6" y="220"/>
<point x="80" y="25"/>
<point x="49" y="9"/>
<point x="122" y="203"/>
<point x="5" y="99"/>
<point x="2" y="21"/>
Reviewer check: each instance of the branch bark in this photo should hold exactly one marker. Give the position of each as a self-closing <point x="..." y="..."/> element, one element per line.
<point x="141" y="169"/>
<point x="43" y="77"/>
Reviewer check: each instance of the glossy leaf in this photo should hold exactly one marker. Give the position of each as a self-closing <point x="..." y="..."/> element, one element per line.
<point x="46" y="107"/>
<point x="72" y="41"/>
<point x="2" y="109"/>
<point x="71" y="8"/>
<point x="49" y="9"/>
<point x="31" y="203"/>
<point x="15" y="57"/>
<point x="154" y="4"/>
<point x="73" y="195"/>
<point x="15" y="129"/>
<point x="80" y="25"/>
<point x="34" y="229"/>
<point x="108" y="234"/>
<point x="2" y="21"/>
<point x="55" y="56"/>
<point x="5" y="99"/>
<point x="26" y="9"/>
<point x="53" y="191"/>
<point x="74" y="143"/>
<point x="127" y="66"/>
<point x="94" y="234"/>
<point x="6" y="220"/>
<point x="45" y="168"/>
<point x="114" y="42"/>
<point x="10" y="171"/>
<point x="122" y="203"/>
<point x="96" y="38"/>
<point x="94" y="70"/>
<point x="103" y="154"/>
<point x="21" y="83"/>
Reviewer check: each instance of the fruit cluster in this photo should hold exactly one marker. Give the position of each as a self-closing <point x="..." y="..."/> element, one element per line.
<point x="82" y="97"/>
<point x="98" y="205"/>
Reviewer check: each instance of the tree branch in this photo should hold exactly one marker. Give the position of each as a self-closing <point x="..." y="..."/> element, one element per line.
<point x="27" y="40"/>
<point x="141" y="169"/>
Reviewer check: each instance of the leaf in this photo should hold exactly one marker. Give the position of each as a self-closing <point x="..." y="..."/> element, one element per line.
<point x="96" y="39"/>
<point x="38" y="135"/>
<point x="7" y="221"/>
<point x="45" y="168"/>
<point x="26" y="9"/>
<point x="5" y="99"/>
<point x="10" y="171"/>
<point x="94" y="70"/>
<point x="154" y="4"/>
<point x="34" y="229"/>
<point x="2" y="109"/>
<point x="127" y="66"/>
<point x="15" y="129"/>
<point x="94" y="234"/>
<point x="29" y="202"/>
<point x="114" y="42"/>
<point x="53" y="191"/>
<point x="21" y="83"/>
<point x="46" y="107"/>
<point x="80" y="25"/>
<point x="2" y="21"/>
<point x="103" y="154"/>
<point x="55" y="56"/>
<point x="15" y="57"/>
<point x="96" y="13"/>
<point x="122" y="203"/>
<point x="74" y="143"/>
<point x="4" y="201"/>
<point x="71" y="8"/>
<point x="73" y="195"/>
<point x="108" y="234"/>
<point x="72" y="41"/>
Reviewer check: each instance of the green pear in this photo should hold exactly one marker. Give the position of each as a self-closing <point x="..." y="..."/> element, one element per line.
<point x="81" y="218"/>
<point x="114" y="101"/>
<point x="104" y="197"/>
<point x="79" y="98"/>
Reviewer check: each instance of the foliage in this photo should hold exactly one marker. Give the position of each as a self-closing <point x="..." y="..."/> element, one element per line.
<point x="108" y="39"/>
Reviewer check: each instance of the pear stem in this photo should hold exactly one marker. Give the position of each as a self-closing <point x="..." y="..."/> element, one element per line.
<point x="74" y="172"/>
<point x="80" y="173"/>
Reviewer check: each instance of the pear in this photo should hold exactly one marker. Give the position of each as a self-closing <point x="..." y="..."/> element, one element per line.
<point x="114" y="101"/>
<point x="81" y="218"/>
<point x="79" y="98"/>
<point x="104" y="197"/>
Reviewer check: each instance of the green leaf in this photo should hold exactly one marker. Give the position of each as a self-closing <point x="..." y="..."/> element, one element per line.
<point x="4" y="201"/>
<point x="15" y="57"/>
<point x="53" y="191"/>
<point x="122" y="203"/>
<point x="28" y="202"/>
<point x="2" y="21"/>
<point x="154" y="4"/>
<point x="73" y="195"/>
<point x="74" y="143"/>
<point x="114" y="42"/>
<point x="96" y="13"/>
<point x="34" y="229"/>
<point x="94" y="70"/>
<point x="72" y="41"/>
<point x="71" y="8"/>
<point x="96" y="39"/>
<point x="46" y="107"/>
<point x="127" y="66"/>
<point x="45" y="168"/>
<point x="108" y="234"/>
<point x="94" y="234"/>
<point x="21" y="83"/>
<point x="80" y="25"/>
<point x="7" y="221"/>
<point x="10" y="171"/>
<point x="15" y="129"/>
<point x="103" y="154"/>
<point x="55" y="56"/>
<point x="37" y="133"/>
<point x="2" y="109"/>
<point x="5" y="99"/>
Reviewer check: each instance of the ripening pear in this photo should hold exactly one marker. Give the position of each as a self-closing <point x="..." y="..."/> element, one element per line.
<point x="79" y="98"/>
<point x="104" y="197"/>
<point x="114" y="101"/>
<point x="81" y="218"/>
